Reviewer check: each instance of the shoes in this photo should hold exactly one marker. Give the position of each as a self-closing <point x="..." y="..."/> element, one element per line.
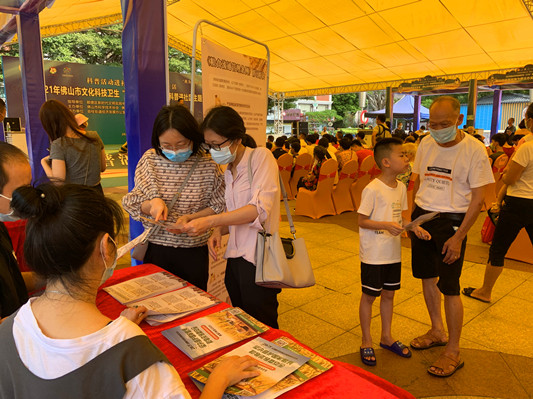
<point x="365" y="354"/>
<point x="397" y="348"/>
<point x="426" y="341"/>
<point x="468" y="292"/>
<point x="443" y="363"/>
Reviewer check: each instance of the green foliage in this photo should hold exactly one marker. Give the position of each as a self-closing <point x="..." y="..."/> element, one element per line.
<point x="322" y="117"/>
<point x="345" y="104"/>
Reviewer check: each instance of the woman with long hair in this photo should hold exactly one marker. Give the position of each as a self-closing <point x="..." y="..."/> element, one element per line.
<point x="250" y="207"/>
<point x="76" y="156"/>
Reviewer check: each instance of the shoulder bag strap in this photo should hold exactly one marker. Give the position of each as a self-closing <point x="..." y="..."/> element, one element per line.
<point x="155" y="229"/>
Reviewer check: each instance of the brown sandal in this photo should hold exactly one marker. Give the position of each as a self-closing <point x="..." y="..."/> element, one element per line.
<point x="443" y="363"/>
<point x="426" y="341"/>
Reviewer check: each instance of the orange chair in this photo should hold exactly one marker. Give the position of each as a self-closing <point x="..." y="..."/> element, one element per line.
<point x="318" y="203"/>
<point x="301" y="168"/>
<point x="285" y="168"/>
<point x="341" y="193"/>
<point x="497" y="170"/>
<point x="363" y="179"/>
<point x="521" y="248"/>
<point x="490" y="196"/>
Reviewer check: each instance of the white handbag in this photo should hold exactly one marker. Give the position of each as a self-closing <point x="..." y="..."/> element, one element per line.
<point x="281" y="263"/>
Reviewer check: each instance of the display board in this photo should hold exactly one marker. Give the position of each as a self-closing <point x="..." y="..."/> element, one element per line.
<point x="97" y="91"/>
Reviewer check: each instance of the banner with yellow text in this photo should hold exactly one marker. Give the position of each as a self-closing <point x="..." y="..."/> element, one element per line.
<point x="238" y="81"/>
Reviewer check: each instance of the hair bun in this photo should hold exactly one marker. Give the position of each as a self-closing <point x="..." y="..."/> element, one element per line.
<point x="35" y="202"/>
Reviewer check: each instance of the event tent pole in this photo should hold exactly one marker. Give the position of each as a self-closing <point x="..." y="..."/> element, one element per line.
<point x="416" y="113"/>
<point x="33" y="94"/>
<point x="472" y="103"/>
<point x="496" y="112"/>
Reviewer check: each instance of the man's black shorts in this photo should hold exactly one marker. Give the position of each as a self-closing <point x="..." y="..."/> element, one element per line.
<point x="375" y="278"/>
<point x="427" y="255"/>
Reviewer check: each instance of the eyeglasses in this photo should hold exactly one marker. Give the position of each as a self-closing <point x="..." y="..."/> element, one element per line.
<point x="216" y="147"/>
<point x="174" y="148"/>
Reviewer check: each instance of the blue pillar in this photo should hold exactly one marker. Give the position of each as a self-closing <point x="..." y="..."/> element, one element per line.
<point x="496" y="112"/>
<point x="33" y="95"/>
<point x="389" y="102"/>
<point x="2" y="133"/>
<point x="416" y="112"/>
<point x="145" y="63"/>
<point x="472" y="103"/>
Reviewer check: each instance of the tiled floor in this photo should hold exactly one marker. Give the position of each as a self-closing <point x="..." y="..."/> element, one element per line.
<point x="497" y="338"/>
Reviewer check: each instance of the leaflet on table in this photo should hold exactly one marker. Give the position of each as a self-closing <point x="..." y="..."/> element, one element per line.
<point x="426" y="217"/>
<point x="144" y="287"/>
<point x="215" y="331"/>
<point x="176" y="304"/>
<point x="313" y="368"/>
<point x="275" y="363"/>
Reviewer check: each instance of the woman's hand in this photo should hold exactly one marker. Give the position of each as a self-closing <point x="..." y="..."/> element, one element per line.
<point x="198" y="226"/>
<point x="177" y="228"/>
<point x="495" y="208"/>
<point x="158" y="209"/>
<point x="233" y="369"/>
<point x="214" y="242"/>
<point x="135" y="314"/>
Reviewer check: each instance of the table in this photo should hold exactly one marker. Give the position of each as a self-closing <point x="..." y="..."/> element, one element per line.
<point x="341" y="381"/>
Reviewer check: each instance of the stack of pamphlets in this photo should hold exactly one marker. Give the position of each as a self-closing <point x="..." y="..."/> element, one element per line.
<point x="275" y="363"/>
<point x="214" y="331"/>
<point x="315" y="366"/>
<point x="163" y="295"/>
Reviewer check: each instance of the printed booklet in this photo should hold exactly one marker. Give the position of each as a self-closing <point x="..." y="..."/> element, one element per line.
<point x="275" y="363"/>
<point x="314" y="367"/>
<point x="176" y="304"/>
<point x="215" y="331"/>
<point x="144" y="287"/>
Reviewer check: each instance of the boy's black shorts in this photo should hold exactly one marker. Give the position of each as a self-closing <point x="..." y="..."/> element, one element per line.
<point x="375" y="278"/>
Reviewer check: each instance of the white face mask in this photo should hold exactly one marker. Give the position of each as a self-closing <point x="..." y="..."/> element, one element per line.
<point x="8" y="217"/>
<point x="445" y="135"/>
<point x="223" y="156"/>
<point x="108" y="272"/>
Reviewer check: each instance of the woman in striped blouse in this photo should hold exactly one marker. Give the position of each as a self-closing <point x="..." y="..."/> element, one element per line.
<point x="176" y="141"/>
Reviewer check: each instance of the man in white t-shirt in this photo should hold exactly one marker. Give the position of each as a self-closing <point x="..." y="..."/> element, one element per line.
<point x="450" y="174"/>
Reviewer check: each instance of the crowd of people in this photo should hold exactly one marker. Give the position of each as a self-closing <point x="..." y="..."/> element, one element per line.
<point x="61" y="336"/>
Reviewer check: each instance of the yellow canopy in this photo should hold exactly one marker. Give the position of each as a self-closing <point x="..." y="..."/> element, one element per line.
<point x="338" y="46"/>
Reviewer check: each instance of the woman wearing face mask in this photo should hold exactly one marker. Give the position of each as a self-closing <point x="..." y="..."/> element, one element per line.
<point x="176" y="141"/>
<point x="515" y="208"/>
<point x="59" y="345"/>
<point x="250" y="206"/>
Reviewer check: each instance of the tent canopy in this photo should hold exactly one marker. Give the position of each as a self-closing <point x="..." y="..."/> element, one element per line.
<point x="320" y="47"/>
<point x="403" y="108"/>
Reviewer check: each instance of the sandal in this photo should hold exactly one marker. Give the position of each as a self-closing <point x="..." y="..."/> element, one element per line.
<point x="426" y="341"/>
<point x="367" y="353"/>
<point x="443" y="363"/>
<point x="397" y="348"/>
<point x="468" y="292"/>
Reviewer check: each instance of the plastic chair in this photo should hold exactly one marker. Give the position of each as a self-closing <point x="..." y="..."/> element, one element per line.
<point x="318" y="203"/>
<point x="285" y="168"/>
<point x="490" y="196"/>
<point x="521" y="249"/>
<point x="363" y="179"/>
<point x="341" y="193"/>
<point x="301" y="169"/>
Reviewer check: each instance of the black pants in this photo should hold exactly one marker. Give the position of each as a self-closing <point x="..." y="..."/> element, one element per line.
<point x="191" y="264"/>
<point x="259" y="302"/>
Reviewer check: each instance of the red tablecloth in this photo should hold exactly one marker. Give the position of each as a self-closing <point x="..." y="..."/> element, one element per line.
<point x="341" y="381"/>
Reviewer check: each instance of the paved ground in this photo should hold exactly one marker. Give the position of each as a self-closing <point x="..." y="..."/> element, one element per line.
<point x="497" y="337"/>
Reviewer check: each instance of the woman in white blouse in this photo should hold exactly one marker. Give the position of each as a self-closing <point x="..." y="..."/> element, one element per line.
<point x="249" y="206"/>
<point x="176" y="141"/>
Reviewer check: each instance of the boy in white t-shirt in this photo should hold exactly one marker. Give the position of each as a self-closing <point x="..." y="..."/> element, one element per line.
<point x="380" y="224"/>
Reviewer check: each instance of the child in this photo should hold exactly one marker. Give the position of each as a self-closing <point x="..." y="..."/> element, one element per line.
<point x="310" y="181"/>
<point x="380" y="225"/>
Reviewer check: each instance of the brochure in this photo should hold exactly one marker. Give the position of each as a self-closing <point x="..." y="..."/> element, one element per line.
<point x="314" y="367"/>
<point x="426" y="217"/>
<point x="175" y="304"/>
<point x="275" y="363"/>
<point x="215" y="331"/>
<point x="145" y="287"/>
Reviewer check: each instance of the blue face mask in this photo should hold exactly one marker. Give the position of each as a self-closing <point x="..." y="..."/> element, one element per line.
<point x="445" y="135"/>
<point x="8" y="217"/>
<point x="222" y="156"/>
<point x="177" y="156"/>
<point x="108" y="271"/>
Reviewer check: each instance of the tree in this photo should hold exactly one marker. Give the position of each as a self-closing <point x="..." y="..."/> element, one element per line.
<point x="346" y="104"/>
<point x="322" y="117"/>
<point x="376" y="100"/>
